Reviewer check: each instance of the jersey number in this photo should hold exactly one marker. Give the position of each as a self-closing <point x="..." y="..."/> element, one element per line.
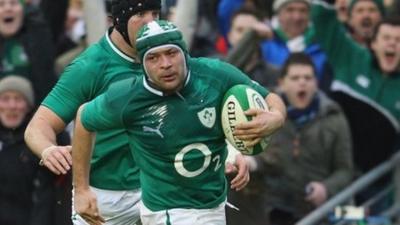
<point x="180" y="168"/>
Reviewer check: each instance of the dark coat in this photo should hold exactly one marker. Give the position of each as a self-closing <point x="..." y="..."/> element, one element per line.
<point x="37" y="41"/>
<point x="323" y="154"/>
<point x="26" y="190"/>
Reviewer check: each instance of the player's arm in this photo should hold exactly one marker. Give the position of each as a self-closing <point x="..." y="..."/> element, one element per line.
<point x="85" y="202"/>
<point x="93" y="116"/>
<point x="264" y="122"/>
<point x="331" y="35"/>
<point x="56" y="111"/>
<point x="236" y="164"/>
<point x="40" y="136"/>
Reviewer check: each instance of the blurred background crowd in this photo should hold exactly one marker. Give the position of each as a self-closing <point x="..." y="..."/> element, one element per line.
<point x="336" y="64"/>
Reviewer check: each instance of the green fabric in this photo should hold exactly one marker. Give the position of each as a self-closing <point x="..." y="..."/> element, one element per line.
<point x="378" y="3"/>
<point x="158" y="33"/>
<point x="354" y="65"/>
<point x="112" y="165"/>
<point x="14" y="59"/>
<point x="177" y="139"/>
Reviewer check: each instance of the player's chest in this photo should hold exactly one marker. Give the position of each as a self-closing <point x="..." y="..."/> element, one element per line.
<point x="175" y="118"/>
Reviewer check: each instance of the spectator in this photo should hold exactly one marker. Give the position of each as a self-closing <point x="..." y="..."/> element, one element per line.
<point x="226" y="9"/>
<point x="205" y="33"/>
<point x="292" y="33"/>
<point x="244" y="20"/>
<point x="26" y="47"/>
<point x="55" y="14"/>
<point x="74" y="31"/>
<point x="364" y="15"/>
<point x="309" y="159"/>
<point x="72" y="41"/>
<point x="26" y="191"/>
<point x="366" y="85"/>
<point x="342" y="10"/>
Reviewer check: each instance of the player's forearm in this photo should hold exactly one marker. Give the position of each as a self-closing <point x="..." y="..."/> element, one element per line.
<point x="82" y="145"/>
<point x="41" y="131"/>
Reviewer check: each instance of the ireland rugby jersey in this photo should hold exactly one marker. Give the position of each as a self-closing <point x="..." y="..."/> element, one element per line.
<point x="112" y="165"/>
<point x="177" y="139"/>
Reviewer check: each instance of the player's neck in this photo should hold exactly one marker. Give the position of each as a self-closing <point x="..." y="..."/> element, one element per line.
<point x="121" y="44"/>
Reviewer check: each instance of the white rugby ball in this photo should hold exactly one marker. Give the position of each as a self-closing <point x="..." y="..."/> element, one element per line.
<point x="237" y="100"/>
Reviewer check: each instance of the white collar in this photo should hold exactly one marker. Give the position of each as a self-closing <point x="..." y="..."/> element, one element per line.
<point x="116" y="50"/>
<point x="158" y="92"/>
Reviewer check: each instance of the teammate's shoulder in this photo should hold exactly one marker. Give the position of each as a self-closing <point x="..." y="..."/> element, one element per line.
<point x="120" y="91"/>
<point x="95" y="52"/>
<point x="92" y="58"/>
<point x="122" y="85"/>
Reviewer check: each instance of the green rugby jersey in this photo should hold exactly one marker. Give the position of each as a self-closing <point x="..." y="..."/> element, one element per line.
<point x="89" y="75"/>
<point x="14" y="59"/>
<point x="177" y="139"/>
<point x="356" y="71"/>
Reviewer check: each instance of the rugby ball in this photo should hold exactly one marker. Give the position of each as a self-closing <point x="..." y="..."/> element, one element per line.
<point x="236" y="101"/>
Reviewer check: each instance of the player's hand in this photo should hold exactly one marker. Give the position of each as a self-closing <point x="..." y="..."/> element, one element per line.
<point x="318" y="193"/>
<point x="85" y="204"/>
<point x="242" y="177"/>
<point x="263" y="124"/>
<point x="57" y="159"/>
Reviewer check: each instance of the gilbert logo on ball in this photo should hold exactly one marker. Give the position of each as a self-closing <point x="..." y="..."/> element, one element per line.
<point x="237" y="100"/>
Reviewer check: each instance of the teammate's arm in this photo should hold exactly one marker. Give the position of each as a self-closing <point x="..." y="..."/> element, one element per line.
<point x="264" y="122"/>
<point x="242" y="170"/>
<point x="40" y="136"/>
<point x="85" y="201"/>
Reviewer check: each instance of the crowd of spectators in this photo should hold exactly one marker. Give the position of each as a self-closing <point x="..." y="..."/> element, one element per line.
<point x="335" y="63"/>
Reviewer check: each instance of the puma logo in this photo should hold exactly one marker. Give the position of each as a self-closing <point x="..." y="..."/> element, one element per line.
<point x="154" y="130"/>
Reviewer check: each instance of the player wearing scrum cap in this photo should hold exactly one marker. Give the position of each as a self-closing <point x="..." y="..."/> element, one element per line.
<point x="114" y="176"/>
<point x="171" y="118"/>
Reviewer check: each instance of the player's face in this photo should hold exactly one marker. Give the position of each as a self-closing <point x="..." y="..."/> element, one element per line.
<point x="386" y="47"/>
<point x="293" y="18"/>
<point x="11" y="17"/>
<point x="165" y="67"/>
<point x="13" y="109"/>
<point x="299" y="85"/>
<point x="138" y="20"/>
<point x="364" y="16"/>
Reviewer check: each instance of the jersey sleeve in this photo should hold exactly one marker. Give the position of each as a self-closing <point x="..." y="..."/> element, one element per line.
<point x="97" y="115"/>
<point x="233" y="76"/>
<point x="333" y="38"/>
<point x="106" y="111"/>
<point x="75" y="87"/>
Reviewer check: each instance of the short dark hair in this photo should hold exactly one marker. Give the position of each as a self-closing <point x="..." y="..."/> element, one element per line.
<point x="391" y="20"/>
<point x="298" y="58"/>
<point x="246" y="11"/>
